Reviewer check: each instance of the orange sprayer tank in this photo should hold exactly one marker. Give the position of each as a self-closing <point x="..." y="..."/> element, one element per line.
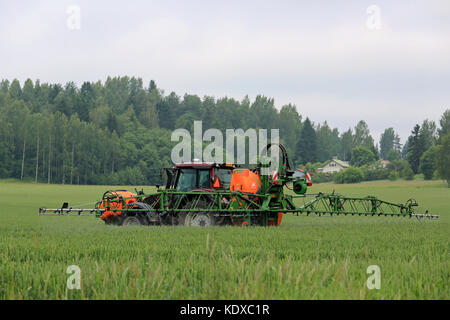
<point x="245" y="180"/>
<point x="115" y="203"/>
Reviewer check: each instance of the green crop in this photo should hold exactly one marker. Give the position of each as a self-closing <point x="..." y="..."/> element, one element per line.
<point x="305" y="258"/>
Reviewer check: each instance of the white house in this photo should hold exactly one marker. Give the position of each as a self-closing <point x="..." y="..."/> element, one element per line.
<point x="334" y="165"/>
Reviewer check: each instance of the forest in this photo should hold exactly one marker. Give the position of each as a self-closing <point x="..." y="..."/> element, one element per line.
<point x="119" y="132"/>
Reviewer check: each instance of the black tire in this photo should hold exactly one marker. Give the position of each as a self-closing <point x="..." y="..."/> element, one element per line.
<point x="134" y="220"/>
<point x="199" y="219"/>
<point x="142" y="217"/>
<point x="195" y="218"/>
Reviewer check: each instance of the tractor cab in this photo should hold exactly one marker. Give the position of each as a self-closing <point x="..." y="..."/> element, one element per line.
<point x="199" y="176"/>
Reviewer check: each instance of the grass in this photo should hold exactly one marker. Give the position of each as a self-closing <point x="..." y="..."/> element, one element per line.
<point x="304" y="258"/>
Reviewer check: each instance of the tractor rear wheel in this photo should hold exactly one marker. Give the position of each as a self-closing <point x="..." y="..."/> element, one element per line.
<point x="193" y="218"/>
<point x="199" y="219"/>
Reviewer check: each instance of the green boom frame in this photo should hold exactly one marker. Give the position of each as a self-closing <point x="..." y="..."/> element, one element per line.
<point x="169" y="206"/>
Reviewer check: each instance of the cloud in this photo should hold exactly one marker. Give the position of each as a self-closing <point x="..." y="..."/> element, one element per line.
<point x="323" y="59"/>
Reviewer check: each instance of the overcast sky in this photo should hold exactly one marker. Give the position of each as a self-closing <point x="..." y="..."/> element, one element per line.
<point x="335" y="60"/>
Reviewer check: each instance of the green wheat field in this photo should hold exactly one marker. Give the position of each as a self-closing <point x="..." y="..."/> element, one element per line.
<point x="305" y="258"/>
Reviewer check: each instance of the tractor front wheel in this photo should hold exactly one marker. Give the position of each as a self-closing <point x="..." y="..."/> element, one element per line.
<point x="132" y="221"/>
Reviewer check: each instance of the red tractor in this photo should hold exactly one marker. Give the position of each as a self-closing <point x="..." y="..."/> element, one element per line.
<point x="185" y="177"/>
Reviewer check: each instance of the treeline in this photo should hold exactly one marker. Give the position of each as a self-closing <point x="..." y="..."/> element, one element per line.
<point x="118" y="132"/>
<point x="426" y="151"/>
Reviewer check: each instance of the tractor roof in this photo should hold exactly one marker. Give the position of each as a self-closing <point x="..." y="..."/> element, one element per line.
<point x="205" y="165"/>
<point x="194" y="164"/>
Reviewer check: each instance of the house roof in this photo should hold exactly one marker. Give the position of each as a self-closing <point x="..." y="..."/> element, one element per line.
<point x="342" y="163"/>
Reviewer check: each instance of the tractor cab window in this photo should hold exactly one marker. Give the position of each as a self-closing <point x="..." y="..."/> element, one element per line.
<point x="190" y="179"/>
<point x="187" y="180"/>
<point x="224" y="176"/>
<point x="203" y="179"/>
<point x="299" y="174"/>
